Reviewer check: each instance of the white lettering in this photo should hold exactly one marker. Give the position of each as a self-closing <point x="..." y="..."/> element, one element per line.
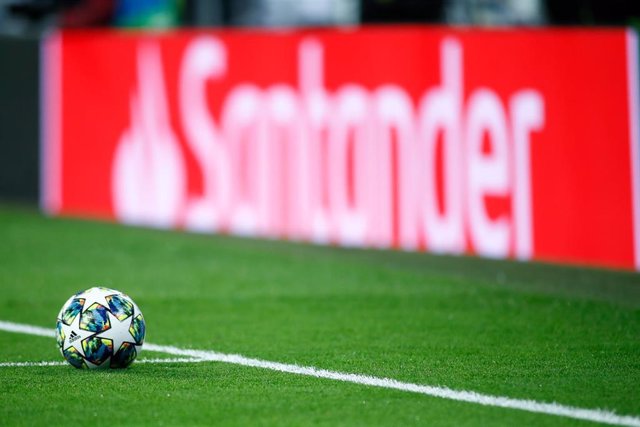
<point x="527" y="115"/>
<point x="441" y="111"/>
<point x="488" y="173"/>
<point x="354" y="166"/>
<point x="205" y="59"/>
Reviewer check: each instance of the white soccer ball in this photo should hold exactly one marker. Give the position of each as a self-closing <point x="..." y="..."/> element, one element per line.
<point x="100" y="328"/>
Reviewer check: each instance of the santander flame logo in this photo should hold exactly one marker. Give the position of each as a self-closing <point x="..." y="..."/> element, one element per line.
<point x="148" y="175"/>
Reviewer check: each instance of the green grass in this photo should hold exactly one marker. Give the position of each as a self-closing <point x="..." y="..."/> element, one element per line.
<point x="533" y="331"/>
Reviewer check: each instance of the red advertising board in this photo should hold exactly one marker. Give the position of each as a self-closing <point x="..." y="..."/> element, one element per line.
<point x="509" y="144"/>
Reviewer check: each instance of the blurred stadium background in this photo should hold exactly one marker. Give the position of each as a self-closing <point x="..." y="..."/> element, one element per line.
<point x="25" y="25"/>
<point x="24" y="22"/>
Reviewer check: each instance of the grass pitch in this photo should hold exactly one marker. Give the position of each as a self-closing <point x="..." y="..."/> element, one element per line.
<point x="528" y="331"/>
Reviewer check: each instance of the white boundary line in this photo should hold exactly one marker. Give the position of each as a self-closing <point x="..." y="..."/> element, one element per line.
<point x="634" y="141"/>
<point x="595" y="415"/>
<point x="26" y="329"/>
<point x="60" y="363"/>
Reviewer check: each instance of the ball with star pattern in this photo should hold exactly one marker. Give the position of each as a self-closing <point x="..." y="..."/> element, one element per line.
<point x="100" y="328"/>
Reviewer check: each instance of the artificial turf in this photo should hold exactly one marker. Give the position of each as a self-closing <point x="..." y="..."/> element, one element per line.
<point x="522" y="330"/>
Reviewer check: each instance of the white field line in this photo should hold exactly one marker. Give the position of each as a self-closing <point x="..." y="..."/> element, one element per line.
<point x="595" y="415"/>
<point x="60" y="363"/>
<point x="26" y="364"/>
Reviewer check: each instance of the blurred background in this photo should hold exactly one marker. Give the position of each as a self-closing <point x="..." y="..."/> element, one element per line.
<point x="23" y="22"/>
<point x="29" y="17"/>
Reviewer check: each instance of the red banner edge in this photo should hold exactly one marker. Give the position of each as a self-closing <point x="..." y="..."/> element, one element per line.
<point x="634" y="140"/>
<point x="50" y="123"/>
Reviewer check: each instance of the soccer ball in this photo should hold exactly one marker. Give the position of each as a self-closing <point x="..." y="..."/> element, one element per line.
<point x="100" y="328"/>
